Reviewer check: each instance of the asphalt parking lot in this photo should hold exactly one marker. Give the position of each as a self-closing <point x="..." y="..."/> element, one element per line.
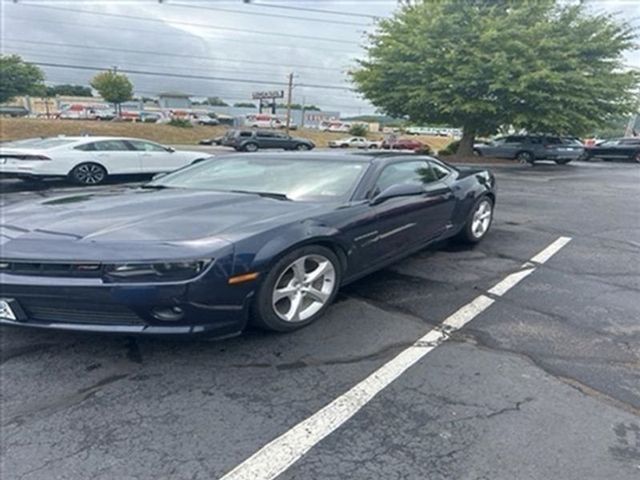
<point x="542" y="384"/>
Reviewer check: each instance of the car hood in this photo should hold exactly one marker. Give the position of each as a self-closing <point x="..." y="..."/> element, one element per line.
<point x="140" y="223"/>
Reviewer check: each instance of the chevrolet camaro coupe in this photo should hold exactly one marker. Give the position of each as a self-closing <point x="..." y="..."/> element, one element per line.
<point x="248" y="238"/>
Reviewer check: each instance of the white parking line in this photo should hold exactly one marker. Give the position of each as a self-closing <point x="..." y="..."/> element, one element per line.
<point x="282" y="452"/>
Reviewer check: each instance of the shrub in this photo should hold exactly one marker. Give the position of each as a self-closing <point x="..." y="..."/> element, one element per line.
<point x="180" y="122"/>
<point x="358" y="130"/>
<point x="450" y="149"/>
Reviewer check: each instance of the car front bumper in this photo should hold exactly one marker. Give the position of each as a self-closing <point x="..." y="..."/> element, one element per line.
<point x="123" y="309"/>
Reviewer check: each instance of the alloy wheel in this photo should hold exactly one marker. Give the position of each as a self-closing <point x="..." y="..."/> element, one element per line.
<point x="89" y="174"/>
<point x="303" y="288"/>
<point x="525" y="158"/>
<point x="481" y="219"/>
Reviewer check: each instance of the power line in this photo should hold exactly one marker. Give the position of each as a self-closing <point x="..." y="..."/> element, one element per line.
<point x="193" y="77"/>
<point x="182" y="34"/>
<point x="199" y="25"/>
<point x="316" y="10"/>
<point x="273" y="15"/>
<point x="163" y="54"/>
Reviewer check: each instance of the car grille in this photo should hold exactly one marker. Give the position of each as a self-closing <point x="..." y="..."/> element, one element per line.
<point x="84" y="270"/>
<point x="54" y="310"/>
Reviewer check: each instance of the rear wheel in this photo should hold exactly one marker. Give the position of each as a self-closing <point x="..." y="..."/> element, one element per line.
<point x="298" y="289"/>
<point x="88" y="174"/>
<point x="525" y="157"/>
<point x="250" y="147"/>
<point x="563" y="161"/>
<point x="479" y="221"/>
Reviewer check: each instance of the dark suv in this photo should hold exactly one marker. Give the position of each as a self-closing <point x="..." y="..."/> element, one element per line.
<point x="529" y="148"/>
<point x="615" y="149"/>
<point x="253" y="140"/>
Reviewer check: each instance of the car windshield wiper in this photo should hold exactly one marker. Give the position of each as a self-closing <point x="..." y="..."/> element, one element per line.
<point x="276" y="196"/>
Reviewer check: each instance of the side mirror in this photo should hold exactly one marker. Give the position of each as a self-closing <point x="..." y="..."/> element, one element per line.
<point x="170" y="149"/>
<point x="159" y="175"/>
<point x="398" y="190"/>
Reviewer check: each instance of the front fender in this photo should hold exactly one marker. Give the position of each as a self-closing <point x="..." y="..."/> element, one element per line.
<point x="258" y="253"/>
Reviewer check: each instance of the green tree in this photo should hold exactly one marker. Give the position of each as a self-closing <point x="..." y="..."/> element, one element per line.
<point x="244" y="105"/>
<point x="18" y="77"/>
<point x="358" y="130"/>
<point x="113" y="87"/>
<point x="216" y="102"/>
<point x="67" y="89"/>
<point x="542" y="66"/>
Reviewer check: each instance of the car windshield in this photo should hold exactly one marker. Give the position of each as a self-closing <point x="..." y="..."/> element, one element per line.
<point x="293" y="178"/>
<point x="38" y="143"/>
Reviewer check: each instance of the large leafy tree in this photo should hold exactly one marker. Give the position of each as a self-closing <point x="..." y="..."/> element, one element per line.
<point x="113" y="87"/>
<point x="18" y="77"/>
<point x="540" y="66"/>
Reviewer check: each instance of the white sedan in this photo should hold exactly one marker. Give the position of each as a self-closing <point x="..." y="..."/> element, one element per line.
<point x="357" y="142"/>
<point x="90" y="160"/>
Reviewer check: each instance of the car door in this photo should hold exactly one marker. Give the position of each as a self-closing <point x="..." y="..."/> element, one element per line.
<point x="156" y="158"/>
<point x="629" y="148"/>
<point x="407" y="222"/>
<point x="117" y="156"/>
<point x="266" y="139"/>
<point x="510" y="147"/>
<point x="282" y="140"/>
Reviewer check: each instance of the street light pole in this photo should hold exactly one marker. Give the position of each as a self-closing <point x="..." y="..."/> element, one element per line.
<point x="289" y="93"/>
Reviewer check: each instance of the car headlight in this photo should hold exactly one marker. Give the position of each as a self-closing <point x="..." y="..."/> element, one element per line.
<point x="156" y="271"/>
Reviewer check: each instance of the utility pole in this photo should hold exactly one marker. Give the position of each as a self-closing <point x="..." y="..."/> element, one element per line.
<point x="304" y="103"/>
<point x="289" y="93"/>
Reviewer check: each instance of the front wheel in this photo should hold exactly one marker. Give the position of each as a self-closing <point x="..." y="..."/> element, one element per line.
<point x="479" y="221"/>
<point x="88" y="174"/>
<point x="298" y="289"/>
<point x="301" y="147"/>
<point x="563" y="161"/>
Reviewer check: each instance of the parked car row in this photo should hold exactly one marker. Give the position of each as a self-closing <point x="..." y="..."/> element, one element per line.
<point x="90" y="160"/>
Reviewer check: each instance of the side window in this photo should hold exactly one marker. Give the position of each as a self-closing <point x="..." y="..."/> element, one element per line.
<point x="245" y="134"/>
<point x="111" y="146"/>
<point x="514" y="139"/>
<point x="405" y="172"/>
<point x="87" y="147"/>
<point x="265" y="134"/>
<point x="535" y="140"/>
<point x="630" y="141"/>
<point x="553" y="141"/>
<point x="146" y="146"/>
<point x="439" y="171"/>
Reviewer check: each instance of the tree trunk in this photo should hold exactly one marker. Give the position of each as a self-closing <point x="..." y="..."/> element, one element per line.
<point x="465" y="149"/>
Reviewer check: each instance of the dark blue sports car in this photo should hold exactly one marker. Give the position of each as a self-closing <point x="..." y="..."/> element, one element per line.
<point x="262" y="238"/>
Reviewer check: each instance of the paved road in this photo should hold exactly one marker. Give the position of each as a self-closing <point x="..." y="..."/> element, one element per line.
<point x="544" y="384"/>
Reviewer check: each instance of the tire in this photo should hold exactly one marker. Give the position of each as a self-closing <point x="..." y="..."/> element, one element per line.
<point x="525" y="157"/>
<point x="250" y="147"/>
<point x="88" y="174"/>
<point x="636" y="157"/>
<point x="302" y="147"/>
<point x="477" y="152"/>
<point x="344" y="145"/>
<point x="563" y="161"/>
<point x="469" y="233"/>
<point x="281" y="314"/>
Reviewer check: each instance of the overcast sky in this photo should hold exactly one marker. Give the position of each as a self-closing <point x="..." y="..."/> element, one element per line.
<point x="234" y="42"/>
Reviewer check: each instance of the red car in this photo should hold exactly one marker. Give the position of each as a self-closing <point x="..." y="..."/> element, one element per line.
<point x="403" y="144"/>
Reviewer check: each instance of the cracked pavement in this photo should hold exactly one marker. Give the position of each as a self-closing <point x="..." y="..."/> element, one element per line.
<point x="543" y="384"/>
